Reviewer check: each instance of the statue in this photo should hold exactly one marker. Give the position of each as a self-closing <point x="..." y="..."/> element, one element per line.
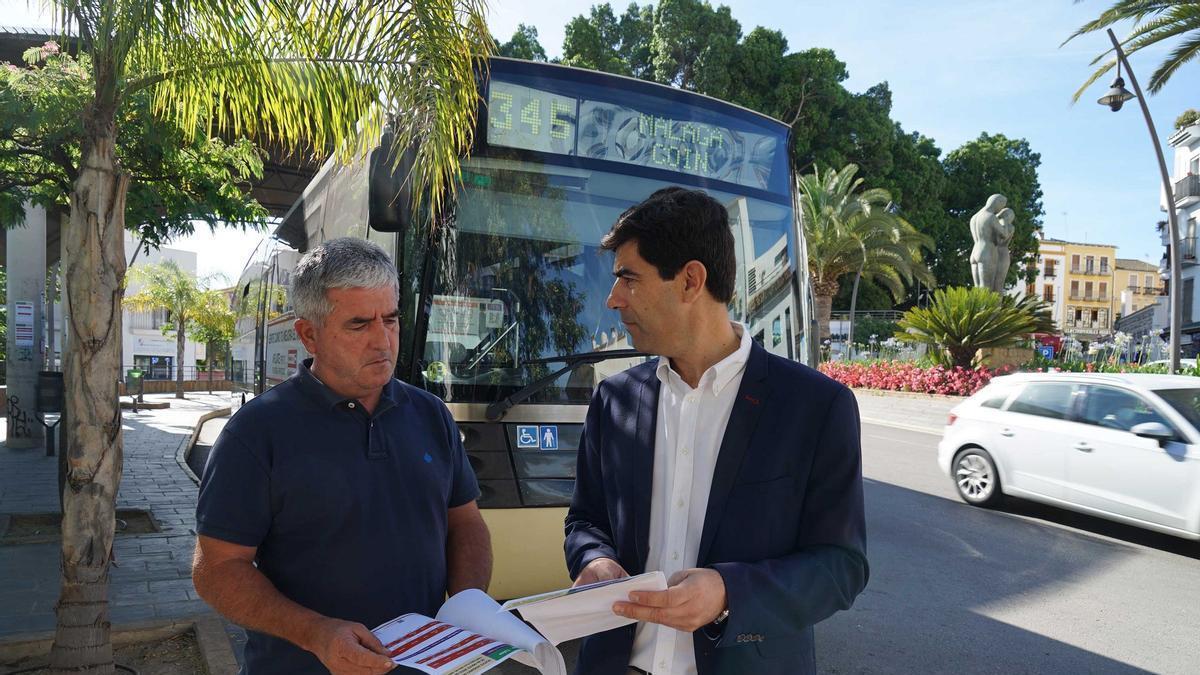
<point x="988" y="232"/>
<point x="1003" y="257"/>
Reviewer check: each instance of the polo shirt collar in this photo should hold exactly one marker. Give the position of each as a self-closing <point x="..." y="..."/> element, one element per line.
<point x="314" y="387"/>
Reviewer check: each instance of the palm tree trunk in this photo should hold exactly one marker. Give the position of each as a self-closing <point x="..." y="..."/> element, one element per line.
<point x="208" y="360"/>
<point x="853" y="304"/>
<point x="94" y="254"/>
<point x="823" y="292"/>
<point x="180" y="337"/>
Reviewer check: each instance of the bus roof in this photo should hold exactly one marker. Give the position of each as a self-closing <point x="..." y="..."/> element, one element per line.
<point x="675" y="91"/>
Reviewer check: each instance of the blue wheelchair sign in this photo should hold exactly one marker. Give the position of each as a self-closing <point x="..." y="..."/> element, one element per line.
<point x="1046" y="351"/>
<point x="527" y="436"/>
<point x="549" y="438"/>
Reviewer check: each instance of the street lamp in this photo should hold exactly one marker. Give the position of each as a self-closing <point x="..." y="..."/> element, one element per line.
<point x="1114" y="99"/>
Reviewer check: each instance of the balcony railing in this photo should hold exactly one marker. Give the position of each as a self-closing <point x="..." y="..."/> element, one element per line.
<point x="1150" y="290"/>
<point x="1187" y="248"/>
<point x="1187" y="188"/>
<point x="1049" y="273"/>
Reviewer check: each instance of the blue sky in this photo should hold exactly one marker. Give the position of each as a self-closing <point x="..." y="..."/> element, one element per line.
<point x="956" y="68"/>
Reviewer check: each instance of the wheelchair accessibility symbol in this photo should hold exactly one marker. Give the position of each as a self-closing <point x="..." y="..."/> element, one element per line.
<point x="527" y="437"/>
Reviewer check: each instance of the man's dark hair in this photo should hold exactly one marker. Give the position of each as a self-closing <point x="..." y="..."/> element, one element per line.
<point x="675" y="225"/>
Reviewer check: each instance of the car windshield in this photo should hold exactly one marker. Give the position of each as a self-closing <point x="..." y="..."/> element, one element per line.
<point x="1185" y="401"/>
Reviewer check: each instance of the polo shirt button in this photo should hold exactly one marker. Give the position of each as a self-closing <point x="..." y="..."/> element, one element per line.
<point x="351" y="404"/>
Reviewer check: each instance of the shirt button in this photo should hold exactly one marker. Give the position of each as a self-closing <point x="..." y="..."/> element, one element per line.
<point x="675" y="556"/>
<point x="679" y="504"/>
<point x="691" y="399"/>
<point x="686" y="451"/>
<point x="351" y="404"/>
<point x="663" y="665"/>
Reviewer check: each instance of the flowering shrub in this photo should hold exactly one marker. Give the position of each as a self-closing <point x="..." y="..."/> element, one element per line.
<point x="909" y="376"/>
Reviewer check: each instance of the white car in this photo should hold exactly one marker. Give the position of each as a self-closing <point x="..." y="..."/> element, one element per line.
<point x="1123" y="447"/>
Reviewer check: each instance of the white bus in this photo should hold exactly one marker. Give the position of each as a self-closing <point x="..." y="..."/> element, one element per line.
<point x="503" y="303"/>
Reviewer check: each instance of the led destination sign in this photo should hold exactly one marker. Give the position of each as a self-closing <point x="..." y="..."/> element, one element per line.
<point x="533" y="119"/>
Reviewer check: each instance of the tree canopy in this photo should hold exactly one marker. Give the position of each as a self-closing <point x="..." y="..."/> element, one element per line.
<point x="176" y="178"/>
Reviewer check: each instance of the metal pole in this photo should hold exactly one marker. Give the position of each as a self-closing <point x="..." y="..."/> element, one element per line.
<point x="1176" y="295"/>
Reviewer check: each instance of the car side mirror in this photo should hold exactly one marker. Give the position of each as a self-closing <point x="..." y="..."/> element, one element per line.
<point x="1156" y="430"/>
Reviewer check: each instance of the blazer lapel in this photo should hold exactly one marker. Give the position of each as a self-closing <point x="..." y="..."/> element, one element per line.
<point x="643" y="464"/>
<point x="743" y="420"/>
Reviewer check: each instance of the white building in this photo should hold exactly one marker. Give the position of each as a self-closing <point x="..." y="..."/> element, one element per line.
<point x="142" y="341"/>
<point x="1186" y="186"/>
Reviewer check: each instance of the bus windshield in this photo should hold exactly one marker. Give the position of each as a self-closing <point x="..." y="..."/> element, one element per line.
<point x="522" y="280"/>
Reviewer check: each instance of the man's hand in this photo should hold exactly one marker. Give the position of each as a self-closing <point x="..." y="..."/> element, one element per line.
<point x="694" y="598"/>
<point x="348" y="648"/>
<point x="600" y="569"/>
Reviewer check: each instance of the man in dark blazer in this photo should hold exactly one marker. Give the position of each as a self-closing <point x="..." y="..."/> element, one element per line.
<point x="736" y="472"/>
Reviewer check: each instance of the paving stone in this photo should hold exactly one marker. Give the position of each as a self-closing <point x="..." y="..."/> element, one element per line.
<point x="151" y="575"/>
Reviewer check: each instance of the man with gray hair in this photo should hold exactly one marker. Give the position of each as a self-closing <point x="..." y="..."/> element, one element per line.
<point x="342" y="497"/>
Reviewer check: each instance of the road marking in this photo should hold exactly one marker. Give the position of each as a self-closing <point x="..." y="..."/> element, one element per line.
<point x="900" y="425"/>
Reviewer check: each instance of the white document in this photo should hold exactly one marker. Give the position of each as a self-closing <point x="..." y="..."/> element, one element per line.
<point x="473" y="634"/>
<point x="576" y="612"/>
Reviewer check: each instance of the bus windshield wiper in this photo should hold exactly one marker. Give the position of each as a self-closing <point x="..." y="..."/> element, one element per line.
<point x="497" y="410"/>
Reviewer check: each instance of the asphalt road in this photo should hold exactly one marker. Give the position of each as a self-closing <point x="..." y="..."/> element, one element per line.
<point x="1021" y="589"/>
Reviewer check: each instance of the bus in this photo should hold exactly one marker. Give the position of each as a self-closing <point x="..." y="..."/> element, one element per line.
<point x="503" y="310"/>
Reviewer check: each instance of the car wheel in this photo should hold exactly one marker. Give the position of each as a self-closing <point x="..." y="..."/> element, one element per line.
<point x="976" y="478"/>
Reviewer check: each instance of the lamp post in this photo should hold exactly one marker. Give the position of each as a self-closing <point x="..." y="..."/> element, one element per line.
<point x="1114" y="99"/>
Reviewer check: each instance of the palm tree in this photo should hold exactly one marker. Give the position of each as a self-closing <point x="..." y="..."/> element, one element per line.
<point x="962" y="320"/>
<point x="1153" y="22"/>
<point x="165" y="287"/>
<point x="305" y="77"/>
<point x="849" y="231"/>
<point x="213" y="325"/>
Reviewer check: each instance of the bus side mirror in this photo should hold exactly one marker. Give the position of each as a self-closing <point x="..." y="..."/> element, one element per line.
<point x="390" y="195"/>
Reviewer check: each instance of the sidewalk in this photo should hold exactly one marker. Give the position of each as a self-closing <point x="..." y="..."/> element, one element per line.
<point x="151" y="575"/>
<point x="925" y="413"/>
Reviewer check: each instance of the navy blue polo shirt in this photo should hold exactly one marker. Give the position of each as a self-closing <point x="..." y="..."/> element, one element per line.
<point x="347" y="510"/>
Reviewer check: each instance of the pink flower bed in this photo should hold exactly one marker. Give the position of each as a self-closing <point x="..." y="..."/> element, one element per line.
<point x="908" y="376"/>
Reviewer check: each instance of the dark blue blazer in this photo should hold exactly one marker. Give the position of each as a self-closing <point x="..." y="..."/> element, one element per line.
<point x="784" y="526"/>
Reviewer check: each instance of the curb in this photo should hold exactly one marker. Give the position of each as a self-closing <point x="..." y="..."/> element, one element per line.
<point x="214" y="645"/>
<point x="907" y="394"/>
<point x="185" y="446"/>
<point x="900" y="425"/>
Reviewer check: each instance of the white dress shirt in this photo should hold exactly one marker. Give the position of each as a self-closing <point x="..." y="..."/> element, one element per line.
<point x="691" y="424"/>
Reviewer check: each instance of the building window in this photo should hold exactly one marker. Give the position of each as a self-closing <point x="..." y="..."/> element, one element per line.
<point x="1048" y="293"/>
<point x="1104" y="264"/>
<point x="1095" y="316"/>
<point x="1078" y="315"/>
<point x="1194" y="167"/>
<point x="1074" y="289"/>
<point x="1189" y="286"/>
<point x="1087" y="290"/>
<point x="1075" y="263"/>
<point x="154" y="367"/>
<point x="1149" y="282"/>
<point x="1048" y="269"/>
<point x="1089" y="264"/>
<point x="1132" y="281"/>
<point x="1103" y="290"/>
